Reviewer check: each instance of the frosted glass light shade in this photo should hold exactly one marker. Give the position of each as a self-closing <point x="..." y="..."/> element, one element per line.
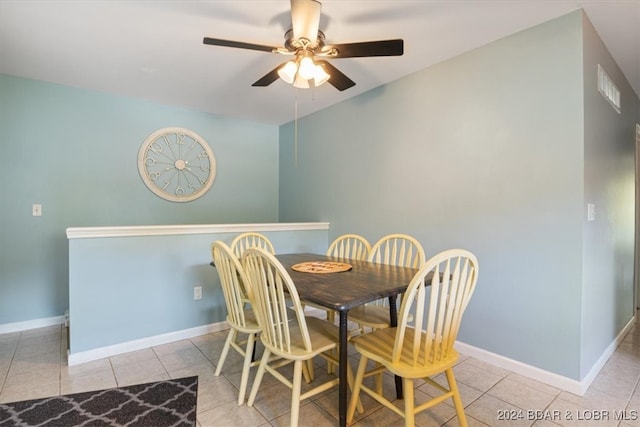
<point x="320" y="76"/>
<point x="288" y="72"/>
<point x="300" y="82"/>
<point x="307" y="68"/>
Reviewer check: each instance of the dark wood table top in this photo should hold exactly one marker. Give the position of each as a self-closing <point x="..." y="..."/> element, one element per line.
<point x="365" y="282"/>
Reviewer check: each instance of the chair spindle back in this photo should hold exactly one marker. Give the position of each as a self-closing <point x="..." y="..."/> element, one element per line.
<point x="398" y="249"/>
<point x="275" y="302"/>
<point x="350" y="246"/>
<point x="244" y="241"/>
<point x="436" y="320"/>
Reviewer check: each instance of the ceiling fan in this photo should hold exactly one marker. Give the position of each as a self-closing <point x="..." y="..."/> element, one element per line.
<point x="306" y="43"/>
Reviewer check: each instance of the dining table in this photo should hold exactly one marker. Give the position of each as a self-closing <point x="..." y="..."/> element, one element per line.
<point x="341" y="291"/>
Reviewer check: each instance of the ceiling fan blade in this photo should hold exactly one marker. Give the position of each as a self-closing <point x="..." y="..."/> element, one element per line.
<point x="268" y="78"/>
<point x="338" y="79"/>
<point x="393" y="47"/>
<point x="241" y="45"/>
<point x="305" y="19"/>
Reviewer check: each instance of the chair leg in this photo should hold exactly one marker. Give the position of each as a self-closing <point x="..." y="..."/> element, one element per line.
<point x="295" y="391"/>
<point x="350" y="382"/>
<point x="248" y="358"/>
<point x="259" y="375"/>
<point x="379" y="379"/>
<point x="355" y="393"/>
<point x="409" y="408"/>
<point x="308" y="371"/>
<point x="225" y="350"/>
<point x="457" y="401"/>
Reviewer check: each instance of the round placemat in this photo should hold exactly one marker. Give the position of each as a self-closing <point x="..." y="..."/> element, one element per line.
<point x="321" y="267"/>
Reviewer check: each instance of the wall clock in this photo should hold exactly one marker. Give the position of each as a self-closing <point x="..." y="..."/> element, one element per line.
<point x="177" y="164"/>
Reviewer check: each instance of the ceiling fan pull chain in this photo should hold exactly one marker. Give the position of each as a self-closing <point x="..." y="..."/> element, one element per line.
<point x="295" y="130"/>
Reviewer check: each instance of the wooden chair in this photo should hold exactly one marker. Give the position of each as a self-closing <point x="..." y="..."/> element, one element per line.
<point x="286" y="332"/>
<point x="244" y="241"/>
<point x="247" y="240"/>
<point x="350" y="246"/>
<point x="241" y="320"/>
<point x="393" y="249"/>
<point x="423" y="348"/>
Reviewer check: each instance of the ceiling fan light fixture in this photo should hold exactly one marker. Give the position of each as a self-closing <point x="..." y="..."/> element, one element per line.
<point x="288" y="72"/>
<point x="320" y="76"/>
<point x="300" y="82"/>
<point x="307" y="68"/>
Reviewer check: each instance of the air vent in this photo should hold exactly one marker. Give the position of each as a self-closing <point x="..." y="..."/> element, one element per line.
<point x="608" y="89"/>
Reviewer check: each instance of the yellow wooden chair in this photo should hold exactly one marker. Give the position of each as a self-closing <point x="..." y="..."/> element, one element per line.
<point x="244" y="241"/>
<point x="286" y="332"/>
<point x="350" y="246"/>
<point x="394" y="249"/>
<point x="241" y="319"/>
<point x="422" y="348"/>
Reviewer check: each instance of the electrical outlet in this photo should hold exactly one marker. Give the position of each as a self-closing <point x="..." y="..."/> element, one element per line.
<point x="36" y="209"/>
<point x="197" y="293"/>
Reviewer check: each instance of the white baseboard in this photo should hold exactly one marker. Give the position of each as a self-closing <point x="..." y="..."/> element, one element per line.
<point x="564" y="383"/>
<point x="6" y="328"/>
<point x="126" y="347"/>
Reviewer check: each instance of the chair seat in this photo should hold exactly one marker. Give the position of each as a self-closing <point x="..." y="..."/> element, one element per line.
<point x="372" y="315"/>
<point x="251" y="323"/>
<point x="323" y="335"/>
<point x="378" y="346"/>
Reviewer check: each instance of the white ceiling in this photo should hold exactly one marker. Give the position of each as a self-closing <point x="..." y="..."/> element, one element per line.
<point x="153" y="49"/>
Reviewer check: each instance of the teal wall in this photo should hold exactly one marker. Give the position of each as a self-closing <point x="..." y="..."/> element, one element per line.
<point x="609" y="183"/>
<point x="123" y="289"/>
<point x="485" y="152"/>
<point x="75" y="152"/>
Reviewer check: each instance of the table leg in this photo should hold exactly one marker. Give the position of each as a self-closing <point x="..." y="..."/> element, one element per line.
<point x="393" y="321"/>
<point x="342" y="370"/>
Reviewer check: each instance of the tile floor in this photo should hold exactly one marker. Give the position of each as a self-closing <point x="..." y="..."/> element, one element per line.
<point x="33" y="364"/>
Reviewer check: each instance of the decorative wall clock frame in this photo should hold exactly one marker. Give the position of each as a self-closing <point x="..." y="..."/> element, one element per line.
<point x="177" y="164"/>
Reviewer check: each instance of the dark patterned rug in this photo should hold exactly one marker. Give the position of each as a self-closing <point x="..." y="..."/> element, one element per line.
<point x="157" y="404"/>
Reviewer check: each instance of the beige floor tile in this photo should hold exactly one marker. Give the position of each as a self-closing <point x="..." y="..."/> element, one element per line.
<point x="36" y="363"/>
<point x="495" y="412"/>
<point x="204" y="371"/>
<point x="521" y="395"/>
<point x="471" y="422"/>
<point x="132" y="358"/>
<point x="544" y="423"/>
<point x="537" y="385"/>
<point x="477" y="375"/>
<point x="32" y="379"/>
<point x="467" y="394"/>
<point x="309" y="416"/>
<point x="231" y="415"/>
<point x="182" y="358"/>
<point x="571" y="414"/>
<point x="215" y="392"/>
<point x="140" y="372"/>
<point x="95" y="366"/>
<point x="40" y="391"/>
<point x="595" y="399"/>
<point x="94" y="380"/>
<point x="274" y="401"/>
<point x="629" y="418"/>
